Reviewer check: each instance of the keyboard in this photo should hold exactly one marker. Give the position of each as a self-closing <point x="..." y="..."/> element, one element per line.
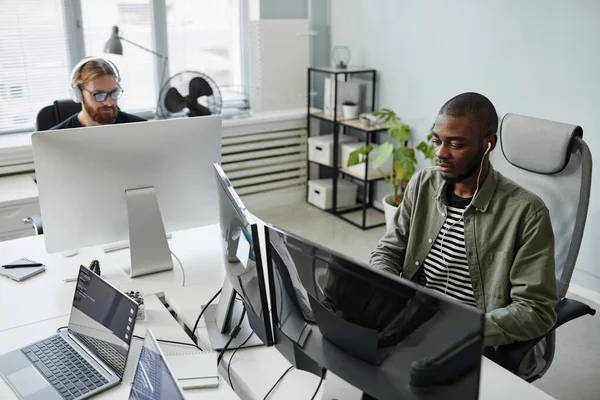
<point x="70" y="374"/>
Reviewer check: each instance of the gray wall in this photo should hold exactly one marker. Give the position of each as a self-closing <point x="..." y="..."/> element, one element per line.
<point x="283" y="9"/>
<point x="536" y="57"/>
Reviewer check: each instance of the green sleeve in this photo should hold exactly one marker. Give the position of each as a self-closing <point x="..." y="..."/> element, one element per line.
<point x="531" y="313"/>
<point x="391" y="249"/>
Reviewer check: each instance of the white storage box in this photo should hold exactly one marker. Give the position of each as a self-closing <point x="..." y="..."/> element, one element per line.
<point x="320" y="193"/>
<point x="320" y="148"/>
<point x="359" y="169"/>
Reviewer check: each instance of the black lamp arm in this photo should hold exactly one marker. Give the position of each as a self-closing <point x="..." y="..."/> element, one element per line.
<point x="144" y="48"/>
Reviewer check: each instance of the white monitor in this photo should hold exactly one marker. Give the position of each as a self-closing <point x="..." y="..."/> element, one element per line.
<point x="133" y="181"/>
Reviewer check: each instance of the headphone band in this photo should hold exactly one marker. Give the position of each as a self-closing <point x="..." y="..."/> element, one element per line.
<point x="81" y="63"/>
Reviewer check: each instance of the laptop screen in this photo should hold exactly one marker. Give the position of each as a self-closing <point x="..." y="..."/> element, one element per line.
<point x="103" y="318"/>
<point x="153" y="379"/>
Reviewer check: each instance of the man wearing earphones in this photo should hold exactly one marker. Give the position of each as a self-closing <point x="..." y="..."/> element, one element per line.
<point x="95" y="82"/>
<point x="465" y="230"/>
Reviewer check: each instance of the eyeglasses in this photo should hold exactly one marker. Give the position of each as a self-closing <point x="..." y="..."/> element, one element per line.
<point x="101" y="97"/>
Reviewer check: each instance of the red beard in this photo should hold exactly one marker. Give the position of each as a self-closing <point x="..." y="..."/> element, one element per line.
<point x="103" y="115"/>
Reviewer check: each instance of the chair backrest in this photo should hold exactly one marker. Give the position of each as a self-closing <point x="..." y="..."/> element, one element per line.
<point x="551" y="160"/>
<point x="56" y="113"/>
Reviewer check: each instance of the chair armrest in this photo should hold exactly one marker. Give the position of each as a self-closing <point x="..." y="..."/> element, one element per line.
<point x="36" y="221"/>
<point x="510" y="356"/>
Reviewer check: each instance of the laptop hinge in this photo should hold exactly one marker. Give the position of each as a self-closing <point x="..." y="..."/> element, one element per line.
<point x="92" y="355"/>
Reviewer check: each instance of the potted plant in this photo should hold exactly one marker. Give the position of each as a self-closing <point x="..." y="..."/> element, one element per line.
<point x="403" y="158"/>
<point x="349" y="110"/>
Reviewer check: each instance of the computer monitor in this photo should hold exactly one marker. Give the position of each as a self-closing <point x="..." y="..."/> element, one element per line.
<point x="242" y="259"/>
<point x="154" y="379"/>
<point x="133" y="181"/>
<point x="383" y="334"/>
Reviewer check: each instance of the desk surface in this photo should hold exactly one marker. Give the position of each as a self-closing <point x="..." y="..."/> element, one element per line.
<point x="254" y="370"/>
<point x="46" y="296"/>
<point x="158" y="319"/>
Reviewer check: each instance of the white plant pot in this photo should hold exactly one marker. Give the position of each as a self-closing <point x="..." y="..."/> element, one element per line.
<point x="350" y="112"/>
<point x="389" y="211"/>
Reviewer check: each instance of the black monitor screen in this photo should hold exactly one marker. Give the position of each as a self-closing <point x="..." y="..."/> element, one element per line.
<point x="242" y="257"/>
<point x="383" y="334"/>
<point x="103" y="318"/>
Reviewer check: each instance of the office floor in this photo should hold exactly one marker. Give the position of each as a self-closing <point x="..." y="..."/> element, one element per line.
<point x="574" y="371"/>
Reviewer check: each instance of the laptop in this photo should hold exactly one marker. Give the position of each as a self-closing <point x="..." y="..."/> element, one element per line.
<point x="154" y="379"/>
<point x="86" y="358"/>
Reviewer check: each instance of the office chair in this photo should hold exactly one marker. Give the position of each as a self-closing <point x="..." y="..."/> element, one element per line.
<point x="48" y="117"/>
<point x="551" y="160"/>
<point x="56" y="113"/>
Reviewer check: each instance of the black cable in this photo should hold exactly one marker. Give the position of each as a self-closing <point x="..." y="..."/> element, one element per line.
<point x="229" y="363"/>
<point x="232" y="335"/>
<point x="172" y="342"/>
<point x="277" y="383"/>
<point x="320" y="382"/>
<point x="202" y="312"/>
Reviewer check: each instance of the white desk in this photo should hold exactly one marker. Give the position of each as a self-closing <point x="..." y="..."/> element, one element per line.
<point x="157" y="318"/>
<point x="47" y="296"/>
<point x="256" y="369"/>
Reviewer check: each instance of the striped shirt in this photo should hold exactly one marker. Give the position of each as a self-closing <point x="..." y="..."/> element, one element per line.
<point x="446" y="269"/>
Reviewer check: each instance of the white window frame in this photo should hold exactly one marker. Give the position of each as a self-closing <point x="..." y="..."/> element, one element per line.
<point x="74" y="32"/>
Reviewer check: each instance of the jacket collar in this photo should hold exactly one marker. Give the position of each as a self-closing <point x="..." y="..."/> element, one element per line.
<point x="484" y="196"/>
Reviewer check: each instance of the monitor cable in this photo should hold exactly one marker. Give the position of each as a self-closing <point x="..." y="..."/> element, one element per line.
<point x="277" y="383"/>
<point x="180" y="265"/>
<point x="231" y="358"/>
<point x="172" y="342"/>
<point x="202" y="312"/>
<point x="323" y="371"/>
<point x="232" y="335"/>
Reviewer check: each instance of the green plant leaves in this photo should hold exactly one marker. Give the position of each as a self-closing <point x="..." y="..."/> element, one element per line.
<point x="383" y="154"/>
<point x="359" y="155"/>
<point x="399" y="132"/>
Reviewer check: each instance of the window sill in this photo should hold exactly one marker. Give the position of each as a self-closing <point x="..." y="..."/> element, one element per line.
<point x="16" y="154"/>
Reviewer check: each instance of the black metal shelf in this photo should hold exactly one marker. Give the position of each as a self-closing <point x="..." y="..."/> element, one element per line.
<point x="343" y="124"/>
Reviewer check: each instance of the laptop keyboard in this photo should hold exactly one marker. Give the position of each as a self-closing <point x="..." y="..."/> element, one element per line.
<point x="64" y="368"/>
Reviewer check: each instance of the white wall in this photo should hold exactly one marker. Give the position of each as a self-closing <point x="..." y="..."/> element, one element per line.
<point x="533" y="57"/>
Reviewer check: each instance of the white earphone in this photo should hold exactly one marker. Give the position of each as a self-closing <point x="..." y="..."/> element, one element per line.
<point x="489" y="147"/>
<point x="75" y="90"/>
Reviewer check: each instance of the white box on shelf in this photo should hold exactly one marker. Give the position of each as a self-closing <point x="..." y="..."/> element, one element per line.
<point x="358" y="170"/>
<point x="320" y="193"/>
<point x="320" y="148"/>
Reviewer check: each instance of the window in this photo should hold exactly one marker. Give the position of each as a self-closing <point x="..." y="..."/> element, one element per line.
<point x="41" y="40"/>
<point x="34" y="66"/>
<point x="136" y="66"/>
<point x="204" y="36"/>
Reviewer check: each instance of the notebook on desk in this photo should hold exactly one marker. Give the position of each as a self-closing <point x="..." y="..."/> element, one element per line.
<point x="192" y="368"/>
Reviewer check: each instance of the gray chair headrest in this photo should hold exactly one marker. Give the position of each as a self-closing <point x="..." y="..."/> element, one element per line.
<point x="535" y="144"/>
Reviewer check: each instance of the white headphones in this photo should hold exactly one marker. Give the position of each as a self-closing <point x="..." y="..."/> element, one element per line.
<point x="489" y="147"/>
<point x="75" y="90"/>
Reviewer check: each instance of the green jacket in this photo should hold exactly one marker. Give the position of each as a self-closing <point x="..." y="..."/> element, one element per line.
<point x="509" y="244"/>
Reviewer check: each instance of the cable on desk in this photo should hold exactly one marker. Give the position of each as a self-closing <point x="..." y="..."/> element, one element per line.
<point x="172" y="342"/>
<point x="61" y="328"/>
<point x="181" y="265"/>
<point x="202" y="312"/>
<point x="229" y="363"/>
<point x="320" y="382"/>
<point x="232" y="335"/>
<point x="277" y="383"/>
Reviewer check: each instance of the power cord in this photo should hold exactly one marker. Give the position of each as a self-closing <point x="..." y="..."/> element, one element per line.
<point x="320" y="382"/>
<point x="202" y="312"/>
<point x="172" y="342"/>
<point x="230" y="359"/>
<point x="232" y="336"/>
<point x="181" y="265"/>
<point x="277" y="383"/>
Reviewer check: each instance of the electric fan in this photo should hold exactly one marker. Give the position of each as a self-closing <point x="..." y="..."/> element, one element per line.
<point x="189" y="93"/>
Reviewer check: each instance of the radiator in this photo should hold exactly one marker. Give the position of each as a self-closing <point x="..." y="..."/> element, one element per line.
<point x="265" y="161"/>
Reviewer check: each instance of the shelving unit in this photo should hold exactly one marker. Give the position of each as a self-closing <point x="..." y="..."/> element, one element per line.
<point x="363" y="215"/>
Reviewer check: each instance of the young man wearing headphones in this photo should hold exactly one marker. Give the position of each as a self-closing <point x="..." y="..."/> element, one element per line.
<point x="465" y="230"/>
<point x="96" y="83"/>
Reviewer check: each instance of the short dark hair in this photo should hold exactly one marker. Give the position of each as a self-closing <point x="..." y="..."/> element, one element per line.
<point x="476" y="106"/>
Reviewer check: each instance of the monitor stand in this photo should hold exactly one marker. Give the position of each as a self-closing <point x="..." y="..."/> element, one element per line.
<point x="219" y="339"/>
<point x="148" y="244"/>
